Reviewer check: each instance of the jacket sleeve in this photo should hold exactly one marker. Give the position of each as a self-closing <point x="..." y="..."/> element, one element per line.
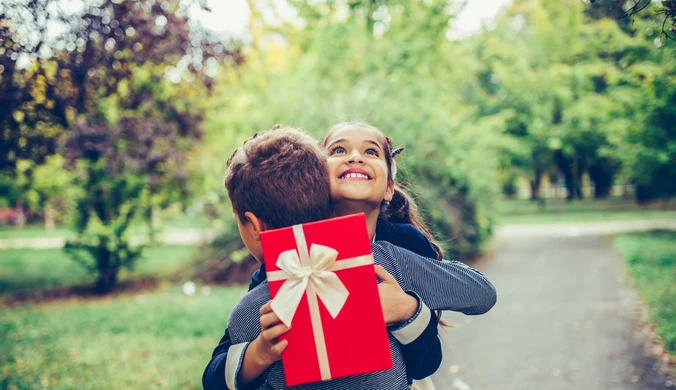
<point x="442" y="285"/>
<point x="420" y="344"/>
<point x="213" y="377"/>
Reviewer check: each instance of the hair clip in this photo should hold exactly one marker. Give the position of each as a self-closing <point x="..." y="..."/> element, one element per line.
<point x="389" y="142"/>
<point x="397" y="151"/>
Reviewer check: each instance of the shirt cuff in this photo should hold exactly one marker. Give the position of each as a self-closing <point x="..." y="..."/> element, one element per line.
<point x="233" y="364"/>
<point x="410" y="330"/>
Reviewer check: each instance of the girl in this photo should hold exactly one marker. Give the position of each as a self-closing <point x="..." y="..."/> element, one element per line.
<point x="362" y="170"/>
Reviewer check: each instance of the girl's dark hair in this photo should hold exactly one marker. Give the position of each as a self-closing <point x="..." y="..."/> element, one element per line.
<point x="402" y="208"/>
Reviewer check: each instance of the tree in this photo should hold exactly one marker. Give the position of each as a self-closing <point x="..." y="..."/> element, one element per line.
<point x="119" y="87"/>
<point x="625" y="11"/>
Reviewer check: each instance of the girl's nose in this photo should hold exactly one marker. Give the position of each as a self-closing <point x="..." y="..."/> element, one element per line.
<point x="356" y="157"/>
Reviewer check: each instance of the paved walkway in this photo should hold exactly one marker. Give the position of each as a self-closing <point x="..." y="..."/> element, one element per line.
<point x="565" y="318"/>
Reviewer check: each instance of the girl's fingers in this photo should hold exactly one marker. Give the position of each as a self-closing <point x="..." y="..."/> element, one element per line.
<point x="384" y="276"/>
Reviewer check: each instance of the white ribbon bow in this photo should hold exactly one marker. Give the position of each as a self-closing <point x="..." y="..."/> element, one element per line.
<point x="318" y="274"/>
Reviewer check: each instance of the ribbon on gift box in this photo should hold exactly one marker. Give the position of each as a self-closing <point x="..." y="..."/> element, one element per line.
<point x="312" y="273"/>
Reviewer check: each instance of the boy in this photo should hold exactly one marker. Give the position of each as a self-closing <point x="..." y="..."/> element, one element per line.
<point x="279" y="178"/>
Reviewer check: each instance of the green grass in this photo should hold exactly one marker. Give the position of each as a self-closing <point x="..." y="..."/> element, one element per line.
<point x="24" y="270"/>
<point x="651" y="260"/>
<point x="37" y="230"/>
<point x="587" y="210"/>
<point x="33" y="230"/>
<point x="155" y="340"/>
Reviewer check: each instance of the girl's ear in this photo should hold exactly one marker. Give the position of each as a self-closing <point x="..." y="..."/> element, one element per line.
<point x="389" y="192"/>
<point x="258" y="224"/>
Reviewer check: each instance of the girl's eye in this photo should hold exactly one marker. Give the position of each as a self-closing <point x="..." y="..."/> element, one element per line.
<point x="337" y="150"/>
<point x="371" y="152"/>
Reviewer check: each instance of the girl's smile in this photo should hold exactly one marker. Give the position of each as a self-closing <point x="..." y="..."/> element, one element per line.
<point x="354" y="174"/>
<point x="358" y="169"/>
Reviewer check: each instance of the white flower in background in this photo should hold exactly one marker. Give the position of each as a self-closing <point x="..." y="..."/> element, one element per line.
<point x="189" y="288"/>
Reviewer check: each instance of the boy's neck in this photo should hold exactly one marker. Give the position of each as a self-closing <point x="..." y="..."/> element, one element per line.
<point x="348" y="208"/>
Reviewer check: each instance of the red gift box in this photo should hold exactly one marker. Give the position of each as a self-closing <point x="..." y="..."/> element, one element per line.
<point x="322" y="281"/>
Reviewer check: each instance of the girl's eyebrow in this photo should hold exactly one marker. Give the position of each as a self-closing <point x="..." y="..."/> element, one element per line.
<point x="374" y="143"/>
<point x="336" y="142"/>
<point x="368" y="141"/>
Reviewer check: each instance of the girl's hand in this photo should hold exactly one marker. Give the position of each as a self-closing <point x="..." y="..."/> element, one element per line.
<point x="397" y="305"/>
<point x="268" y="348"/>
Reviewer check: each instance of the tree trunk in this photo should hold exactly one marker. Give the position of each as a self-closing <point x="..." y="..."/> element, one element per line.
<point x="578" y="184"/>
<point x="602" y="173"/>
<point x="106" y="281"/>
<point x="644" y="194"/>
<point x="565" y="167"/>
<point x="535" y="186"/>
<point x="155" y="217"/>
<point x="20" y="220"/>
<point x="107" y="268"/>
<point x="49" y="219"/>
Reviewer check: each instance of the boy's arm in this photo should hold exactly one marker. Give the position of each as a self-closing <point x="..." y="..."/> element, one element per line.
<point x="216" y="372"/>
<point x="225" y="365"/>
<point x="246" y="362"/>
<point x="213" y="377"/>
<point x="441" y="285"/>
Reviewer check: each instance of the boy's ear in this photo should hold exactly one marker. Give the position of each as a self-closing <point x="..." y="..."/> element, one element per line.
<point x="258" y="224"/>
<point x="389" y="192"/>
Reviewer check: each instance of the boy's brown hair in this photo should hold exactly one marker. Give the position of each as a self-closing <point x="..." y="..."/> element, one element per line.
<point x="281" y="176"/>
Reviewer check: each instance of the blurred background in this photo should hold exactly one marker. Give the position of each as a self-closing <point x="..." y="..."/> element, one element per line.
<point x="533" y="129"/>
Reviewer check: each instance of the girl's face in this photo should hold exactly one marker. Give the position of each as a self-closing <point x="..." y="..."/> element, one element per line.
<point x="357" y="167"/>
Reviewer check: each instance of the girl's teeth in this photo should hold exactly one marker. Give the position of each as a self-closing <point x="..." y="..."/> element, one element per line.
<point x="355" y="176"/>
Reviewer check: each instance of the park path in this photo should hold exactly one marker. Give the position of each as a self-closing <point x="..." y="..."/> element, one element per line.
<point x="565" y="317"/>
<point x="197" y="236"/>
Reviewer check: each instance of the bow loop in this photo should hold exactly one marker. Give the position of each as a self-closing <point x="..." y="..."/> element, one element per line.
<point x="327" y="285"/>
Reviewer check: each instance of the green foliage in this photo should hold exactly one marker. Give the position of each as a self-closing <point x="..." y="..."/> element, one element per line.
<point x="340" y="71"/>
<point x="104" y="214"/>
<point x="552" y="90"/>
<point x="651" y="259"/>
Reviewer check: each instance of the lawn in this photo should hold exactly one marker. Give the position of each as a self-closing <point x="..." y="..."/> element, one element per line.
<point x="651" y="261"/>
<point x="199" y="221"/>
<point x="587" y="210"/>
<point x="24" y="270"/>
<point x="161" y="339"/>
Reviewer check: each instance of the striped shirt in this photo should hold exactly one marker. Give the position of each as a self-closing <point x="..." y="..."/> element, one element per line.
<point x="440" y="285"/>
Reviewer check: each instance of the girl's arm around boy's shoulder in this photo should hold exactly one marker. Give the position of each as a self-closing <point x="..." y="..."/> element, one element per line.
<point x="442" y="285"/>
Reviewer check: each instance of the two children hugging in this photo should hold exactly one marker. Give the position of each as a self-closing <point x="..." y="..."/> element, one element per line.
<point x="282" y="177"/>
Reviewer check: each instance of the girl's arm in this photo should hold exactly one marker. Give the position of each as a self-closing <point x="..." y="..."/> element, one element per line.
<point x="442" y="285"/>
<point x="420" y="344"/>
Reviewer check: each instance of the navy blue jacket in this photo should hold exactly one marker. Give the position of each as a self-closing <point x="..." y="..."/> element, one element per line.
<point x="422" y="356"/>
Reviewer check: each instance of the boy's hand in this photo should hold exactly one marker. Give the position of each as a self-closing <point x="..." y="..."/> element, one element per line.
<point x="397" y="305"/>
<point x="267" y="346"/>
